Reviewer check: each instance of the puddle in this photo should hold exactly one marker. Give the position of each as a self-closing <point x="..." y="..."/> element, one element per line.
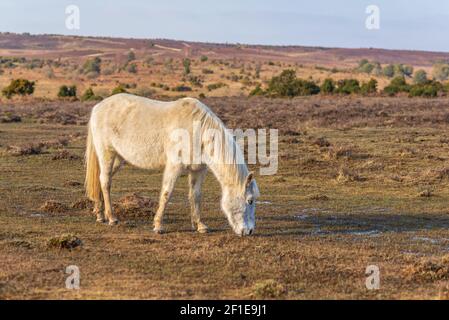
<point x="372" y="233"/>
<point x="425" y="239"/>
<point x="36" y="215"/>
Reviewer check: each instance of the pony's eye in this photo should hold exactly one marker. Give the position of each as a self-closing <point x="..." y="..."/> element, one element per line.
<point x="250" y="202"/>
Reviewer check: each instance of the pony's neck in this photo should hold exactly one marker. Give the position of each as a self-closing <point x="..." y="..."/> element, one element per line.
<point x="230" y="176"/>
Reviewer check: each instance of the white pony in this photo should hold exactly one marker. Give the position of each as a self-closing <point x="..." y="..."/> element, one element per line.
<point x="138" y="131"/>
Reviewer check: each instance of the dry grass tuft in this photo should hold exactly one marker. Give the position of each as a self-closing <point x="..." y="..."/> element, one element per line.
<point x="134" y="205"/>
<point x="25" y="150"/>
<point x="321" y="142"/>
<point x="52" y="206"/>
<point x="268" y="289"/>
<point x="319" y="197"/>
<point x="65" y="155"/>
<point x="82" y="204"/>
<point x="66" y="241"/>
<point x="429" y="269"/>
<point x="347" y="175"/>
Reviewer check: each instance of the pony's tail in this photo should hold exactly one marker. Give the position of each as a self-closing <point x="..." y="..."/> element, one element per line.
<point x="92" y="181"/>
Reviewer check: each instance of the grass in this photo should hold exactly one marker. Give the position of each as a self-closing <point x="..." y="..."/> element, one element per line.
<point x="315" y="235"/>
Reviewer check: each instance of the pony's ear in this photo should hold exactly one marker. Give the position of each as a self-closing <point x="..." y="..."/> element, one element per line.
<point x="249" y="179"/>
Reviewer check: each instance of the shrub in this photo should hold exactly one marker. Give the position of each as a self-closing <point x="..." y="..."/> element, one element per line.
<point x="215" y="86"/>
<point x="204" y="58"/>
<point x="92" y="66"/>
<point x="348" y="86"/>
<point x="195" y="81"/>
<point x="132" y="68"/>
<point x="441" y="71"/>
<point x="119" y="89"/>
<point x="328" y="86"/>
<point x="420" y="77"/>
<point x="207" y="71"/>
<point x="288" y="85"/>
<point x="89" y="95"/>
<point x="398" y="84"/>
<point x="20" y="87"/>
<point x="186" y="63"/>
<point x="369" y="87"/>
<point x="131" y="56"/>
<point x="182" y="88"/>
<point x="67" y="91"/>
<point x="257" y="91"/>
<point x="430" y="89"/>
<point x="388" y="71"/>
<point x="145" y="92"/>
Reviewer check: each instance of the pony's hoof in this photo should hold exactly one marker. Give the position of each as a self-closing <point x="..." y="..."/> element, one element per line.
<point x="100" y="220"/>
<point x="158" y="230"/>
<point x="113" y="222"/>
<point x="203" y="230"/>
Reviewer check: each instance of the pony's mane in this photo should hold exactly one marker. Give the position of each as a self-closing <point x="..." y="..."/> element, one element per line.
<point x="230" y="155"/>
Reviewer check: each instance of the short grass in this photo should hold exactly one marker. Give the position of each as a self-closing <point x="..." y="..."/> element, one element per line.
<point x="364" y="186"/>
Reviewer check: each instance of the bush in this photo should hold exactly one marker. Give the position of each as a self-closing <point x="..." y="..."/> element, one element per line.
<point x="328" y="86"/>
<point x="420" y="77"/>
<point x="89" y="95"/>
<point x="397" y="85"/>
<point x="215" y="86"/>
<point x="186" y="63"/>
<point x="182" y="88"/>
<point x="131" y="56"/>
<point x="430" y="89"/>
<point x="257" y="91"/>
<point x="145" y="92"/>
<point x="92" y="66"/>
<point x="204" y="58"/>
<point x="20" y="87"/>
<point x="118" y="89"/>
<point x="441" y="71"/>
<point x="369" y="87"/>
<point x="208" y="71"/>
<point x="288" y="85"/>
<point x="388" y="71"/>
<point x="66" y="92"/>
<point x="348" y="86"/>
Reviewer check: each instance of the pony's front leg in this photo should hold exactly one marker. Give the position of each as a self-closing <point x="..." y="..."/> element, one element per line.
<point x="171" y="174"/>
<point x="195" y="182"/>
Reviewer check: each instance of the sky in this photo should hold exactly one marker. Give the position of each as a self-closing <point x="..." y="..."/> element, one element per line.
<point x="404" y="24"/>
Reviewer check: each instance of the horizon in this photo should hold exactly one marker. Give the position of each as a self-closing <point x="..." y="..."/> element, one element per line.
<point x="323" y="24"/>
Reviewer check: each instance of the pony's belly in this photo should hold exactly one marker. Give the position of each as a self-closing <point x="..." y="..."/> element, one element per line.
<point x="142" y="156"/>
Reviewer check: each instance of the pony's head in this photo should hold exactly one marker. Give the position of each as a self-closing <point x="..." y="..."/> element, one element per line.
<point x="239" y="206"/>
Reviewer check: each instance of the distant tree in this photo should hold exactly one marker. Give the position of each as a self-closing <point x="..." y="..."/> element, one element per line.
<point x="397" y="85"/>
<point x="441" y="71"/>
<point x="20" y="87"/>
<point x="89" y="95"/>
<point x="369" y="87"/>
<point x="407" y="70"/>
<point x="204" y="58"/>
<point x="328" y="86"/>
<point x="67" y="91"/>
<point x="131" y="56"/>
<point x="186" y="63"/>
<point x="388" y="71"/>
<point x="257" y="91"/>
<point x="420" y="77"/>
<point x="92" y="66"/>
<point x="348" y="86"/>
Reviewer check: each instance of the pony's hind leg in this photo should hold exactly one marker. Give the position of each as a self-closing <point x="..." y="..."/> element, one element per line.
<point x="98" y="206"/>
<point x="106" y="162"/>
<point x="196" y="179"/>
<point x="171" y="174"/>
